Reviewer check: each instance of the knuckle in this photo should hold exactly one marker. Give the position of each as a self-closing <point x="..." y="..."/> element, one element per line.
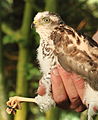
<point x="75" y="99"/>
<point x="81" y="108"/>
<point x="60" y="99"/>
<point x="75" y="102"/>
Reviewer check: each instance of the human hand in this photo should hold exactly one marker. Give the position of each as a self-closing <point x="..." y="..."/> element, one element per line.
<point x="67" y="89"/>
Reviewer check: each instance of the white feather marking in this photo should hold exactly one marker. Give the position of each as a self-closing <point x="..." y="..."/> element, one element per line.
<point x="40" y="15"/>
<point x="91" y="100"/>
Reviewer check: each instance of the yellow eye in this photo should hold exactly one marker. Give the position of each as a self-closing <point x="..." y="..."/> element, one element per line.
<point x="46" y="19"/>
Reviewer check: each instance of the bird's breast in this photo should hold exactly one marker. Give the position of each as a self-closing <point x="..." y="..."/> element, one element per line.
<point x="46" y="57"/>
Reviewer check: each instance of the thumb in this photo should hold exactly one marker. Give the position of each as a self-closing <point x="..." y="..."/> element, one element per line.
<point x="41" y="90"/>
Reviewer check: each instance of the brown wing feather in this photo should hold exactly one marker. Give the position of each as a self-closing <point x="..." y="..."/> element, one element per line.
<point x="89" y="73"/>
<point x="74" y="59"/>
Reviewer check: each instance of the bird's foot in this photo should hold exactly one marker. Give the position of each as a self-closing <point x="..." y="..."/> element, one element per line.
<point x="13" y="104"/>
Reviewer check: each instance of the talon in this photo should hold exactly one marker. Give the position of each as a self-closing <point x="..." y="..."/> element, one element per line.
<point x="17" y="106"/>
<point x="9" y="107"/>
<point x="12" y="105"/>
<point x="10" y="110"/>
<point x="14" y="111"/>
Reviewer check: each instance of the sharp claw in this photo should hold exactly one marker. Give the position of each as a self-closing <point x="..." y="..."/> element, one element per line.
<point x="10" y="110"/>
<point x="19" y="106"/>
<point x="12" y="105"/>
<point x="14" y="111"/>
<point x="9" y="107"/>
<point x="8" y="103"/>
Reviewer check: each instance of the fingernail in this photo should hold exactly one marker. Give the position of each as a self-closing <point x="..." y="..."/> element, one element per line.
<point x="55" y="72"/>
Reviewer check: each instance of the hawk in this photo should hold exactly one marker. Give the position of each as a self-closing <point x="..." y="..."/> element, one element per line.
<point x="61" y="44"/>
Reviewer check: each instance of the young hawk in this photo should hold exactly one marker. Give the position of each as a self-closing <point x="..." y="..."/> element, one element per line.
<point x="61" y="44"/>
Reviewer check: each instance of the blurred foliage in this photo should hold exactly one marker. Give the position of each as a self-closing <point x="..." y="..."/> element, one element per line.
<point x="80" y="14"/>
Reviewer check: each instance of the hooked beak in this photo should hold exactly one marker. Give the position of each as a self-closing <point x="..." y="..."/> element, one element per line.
<point x="33" y="24"/>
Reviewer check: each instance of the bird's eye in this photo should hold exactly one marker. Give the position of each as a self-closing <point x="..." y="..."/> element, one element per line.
<point x="46" y="19"/>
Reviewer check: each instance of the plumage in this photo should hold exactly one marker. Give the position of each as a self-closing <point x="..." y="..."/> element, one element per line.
<point x="61" y="44"/>
<point x="79" y="54"/>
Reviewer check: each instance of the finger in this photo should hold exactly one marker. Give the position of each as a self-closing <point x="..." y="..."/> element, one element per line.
<point x="64" y="104"/>
<point x="79" y="84"/>
<point x="59" y="93"/>
<point x="69" y="86"/>
<point x="77" y="102"/>
<point x="81" y="108"/>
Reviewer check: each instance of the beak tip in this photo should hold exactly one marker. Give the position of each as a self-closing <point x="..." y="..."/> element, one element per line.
<point x="32" y="25"/>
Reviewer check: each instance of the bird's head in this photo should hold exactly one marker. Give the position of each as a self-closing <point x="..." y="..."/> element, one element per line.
<point x="46" y="20"/>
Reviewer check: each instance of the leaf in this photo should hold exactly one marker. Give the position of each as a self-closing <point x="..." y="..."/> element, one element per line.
<point x="8" y="39"/>
<point x="12" y="93"/>
<point x="32" y="72"/>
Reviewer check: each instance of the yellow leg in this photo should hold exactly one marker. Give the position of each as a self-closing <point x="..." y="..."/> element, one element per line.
<point x="22" y="99"/>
